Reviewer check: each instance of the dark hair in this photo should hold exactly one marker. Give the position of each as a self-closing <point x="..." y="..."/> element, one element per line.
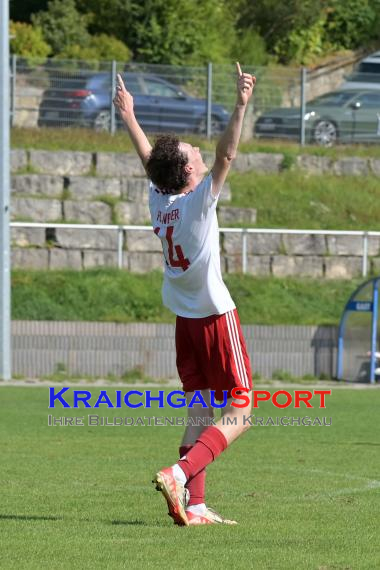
<point x="166" y="165"/>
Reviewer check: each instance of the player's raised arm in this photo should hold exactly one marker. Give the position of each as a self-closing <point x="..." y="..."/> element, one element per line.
<point x="123" y="102"/>
<point x="227" y="146"/>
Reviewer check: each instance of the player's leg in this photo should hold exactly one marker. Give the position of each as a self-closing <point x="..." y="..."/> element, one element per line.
<point x="198" y="416"/>
<point x="235" y="421"/>
<point x="199" y="419"/>
<point x="170" y="481"/>
<point x="232" y="424"/>
<point x="215" y="439"/>
<point x="219" y="345"/>
<point x="229" y="367"/>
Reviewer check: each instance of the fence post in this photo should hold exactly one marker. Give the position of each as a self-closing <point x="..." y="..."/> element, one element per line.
<point x="209" y="100"/>
<point x="120" y="247"/>
<point x="303" y="105"/>
<point x="13" y="89"/>
<point x="113" y="83"/>
<point x="5" y="261"/>
<point x="365" y="254"/>
<point x="375" y="309"/>
<point x="244" y="251"/>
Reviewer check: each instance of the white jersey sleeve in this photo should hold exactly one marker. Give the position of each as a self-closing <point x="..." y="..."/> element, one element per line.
<point x="188" y="229"/>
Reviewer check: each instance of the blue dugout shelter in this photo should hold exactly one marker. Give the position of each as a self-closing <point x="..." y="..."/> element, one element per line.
<point x="358" y="335"/>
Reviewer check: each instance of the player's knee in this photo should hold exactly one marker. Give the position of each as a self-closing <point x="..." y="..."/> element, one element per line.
<point x="242" y="423"/>
<point x="245" y="425"/>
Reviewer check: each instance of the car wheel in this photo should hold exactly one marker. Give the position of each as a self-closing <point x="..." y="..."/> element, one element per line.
<point x="325" y="133"/>
<point x="102" y="121"/>
<point x="216" y="126"/>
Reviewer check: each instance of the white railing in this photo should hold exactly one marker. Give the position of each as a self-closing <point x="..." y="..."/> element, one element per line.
<point x="243" y="231"/>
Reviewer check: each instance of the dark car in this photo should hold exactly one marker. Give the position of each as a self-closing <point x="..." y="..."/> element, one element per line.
<point x="366" y="74"/>
<point x="339" y="116"/>
<point x="159" y="106"/>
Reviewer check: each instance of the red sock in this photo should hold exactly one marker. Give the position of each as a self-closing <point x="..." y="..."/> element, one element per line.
<point x="206" y="449"/>
<point x="196" y="485"/>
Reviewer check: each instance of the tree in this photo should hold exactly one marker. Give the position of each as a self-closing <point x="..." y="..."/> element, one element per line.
<point x="112" y="17"/>
<point x="250" y="49"/>
<point x="184" y="32"/>
<point x="27" y="40"/>
<point x="109" y="47"/>
<point x="352" y="23"/>
<point x="100" y="47"/>
<point x="62" y="25"/>
<point x="190" y="32"/>
<point x="274" y="19"/>
<point x="299" y="30"/>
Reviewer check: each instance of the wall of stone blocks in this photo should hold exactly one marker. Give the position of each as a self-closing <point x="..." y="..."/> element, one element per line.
<point x="110" y="188"/>
<point x="116" y="165"/>
<point x="281" y="255"/>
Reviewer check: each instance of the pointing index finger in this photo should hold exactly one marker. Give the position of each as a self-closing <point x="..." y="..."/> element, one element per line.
<point x="238" y="68"/>
<point x="120" y="80"/>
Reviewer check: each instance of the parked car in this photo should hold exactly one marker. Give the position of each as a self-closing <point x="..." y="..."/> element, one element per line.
<point x="339" y="116"/>
<point x="366" y="75"/>
<point x="160" y="106"/>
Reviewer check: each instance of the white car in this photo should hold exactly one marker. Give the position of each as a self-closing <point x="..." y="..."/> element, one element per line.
<point x="366" y="75"/>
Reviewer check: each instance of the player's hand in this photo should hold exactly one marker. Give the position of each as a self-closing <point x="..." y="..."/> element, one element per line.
<point x="245" y="85"/>
<point x="123" y="100"/>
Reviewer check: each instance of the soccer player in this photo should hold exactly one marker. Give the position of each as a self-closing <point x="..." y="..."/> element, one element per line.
<point x="210" y="348"/>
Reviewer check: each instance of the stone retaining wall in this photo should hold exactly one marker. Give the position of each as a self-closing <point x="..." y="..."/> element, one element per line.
<point x="338" y="258"/>
<point x="110" y="188"/>
<point x="114" y="165"/>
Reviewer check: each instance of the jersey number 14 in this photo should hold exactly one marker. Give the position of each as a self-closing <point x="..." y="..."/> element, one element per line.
<point x="180" y="260"/>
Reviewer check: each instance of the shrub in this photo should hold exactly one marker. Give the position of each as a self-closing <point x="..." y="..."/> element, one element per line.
<point x="282" y="375"/>
<point x="27" y="40"/>
<point x="302" y="46"/>
<point x="109" y="47"/>
<point x="62" y="25"/>
<point x="101" y="47"/>
<point x="250" y="49"/>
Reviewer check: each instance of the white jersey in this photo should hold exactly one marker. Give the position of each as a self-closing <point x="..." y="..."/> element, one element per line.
<point x="188" y="229"/>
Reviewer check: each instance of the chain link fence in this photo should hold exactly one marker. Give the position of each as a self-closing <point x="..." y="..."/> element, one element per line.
<point x="292" y="103"/>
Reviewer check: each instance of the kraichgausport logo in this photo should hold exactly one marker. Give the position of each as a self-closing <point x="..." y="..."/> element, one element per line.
<point x="177" y="398"/>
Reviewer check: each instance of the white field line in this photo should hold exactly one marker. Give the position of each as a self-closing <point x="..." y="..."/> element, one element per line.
<point x="368" y="484"/>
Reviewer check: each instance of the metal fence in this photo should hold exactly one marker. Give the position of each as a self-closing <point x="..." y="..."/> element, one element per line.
<point x="113" y="350"/>
<point x="198" y="100"/>
<point x="120" y="229"/>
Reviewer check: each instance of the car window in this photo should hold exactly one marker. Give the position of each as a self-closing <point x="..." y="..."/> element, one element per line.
<point x="158" y="89"/>
<point x="366" y="67"/>
<point x="370" y="100"/>
<point x="132" y="84"/>
<point x="337" y="98"/>
<point x="68" y="82"/>
<point x="366" y="72"/>
<point x="101" y="82"/>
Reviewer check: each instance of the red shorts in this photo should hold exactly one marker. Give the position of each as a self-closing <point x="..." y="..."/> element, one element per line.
<point x="211" y="354"/>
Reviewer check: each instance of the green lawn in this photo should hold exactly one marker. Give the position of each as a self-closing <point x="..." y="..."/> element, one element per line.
<point x="119" y="296"/>
<point x="81" y="497"/>
<point x="296" y="200"/>
<point x="91" y="141"/>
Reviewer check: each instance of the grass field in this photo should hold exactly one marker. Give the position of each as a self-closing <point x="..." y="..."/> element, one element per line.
<point x="119" y="296"/>
<point x="81" y="497"/>
<point x="296" y="200"/>
<point x="91" y="141"/>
